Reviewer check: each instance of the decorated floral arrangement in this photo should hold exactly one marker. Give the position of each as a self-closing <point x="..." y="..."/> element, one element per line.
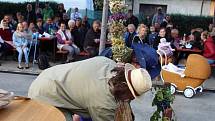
<point x="117" y="30"/>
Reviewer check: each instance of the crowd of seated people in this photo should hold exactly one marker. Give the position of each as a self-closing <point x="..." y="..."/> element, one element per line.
<point x="70" y="30"/>
<point x="75" y="34"/>
<point x="161" y="31"/>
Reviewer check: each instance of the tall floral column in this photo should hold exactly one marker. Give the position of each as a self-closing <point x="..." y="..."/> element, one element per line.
<point x="121" y="53"/>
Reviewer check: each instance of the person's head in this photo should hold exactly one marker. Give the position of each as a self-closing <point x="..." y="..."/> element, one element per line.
<point x="85" y="18"/>
<point x="141" y="30"/>
<point x="25" y="25"/>
<point x="20" y="27"/>
<point x="32" y="27"/>
<point x="159" y="10"/>
<point x="7" y="18"/>
<point x="76" y="9"/>
<point x="152" y="29"/>
<point x="204" y="35"/>
<point x="131" y="28"/>
<point x="197" y="36"/>
<point x="174" y="33"/>
<point x="4" y="24"/>
<point x="62" y="26"/>
<point x="47" y="5"/>
<point x="78" y="22"/>
<point x="65" y="16"/>
<point x="61" y="6"/>
<point x="29" y="7"/>
<point x="162" y="32"/>
<point x="163" y="40"/>
<point x="96" y="25"/>
<point x="210" y="27"/>
<point x="157" y="26"/>
<point x="49" y="20"/>
<point x="212" y="35"/>
<point x="39" y="10"/>
<point x="130" y="13"/>
<point x="39" y="22"/>
<point x="199" y="30"/>
<point x="71" y="24"/>
<point x="129" y="82"/>
<point x="18" y="15"/>
<point x="169" y="26"/>
<point x="168" y="18"/>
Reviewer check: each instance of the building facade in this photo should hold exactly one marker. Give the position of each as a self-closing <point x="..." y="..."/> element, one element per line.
<point x="186" y="7"/>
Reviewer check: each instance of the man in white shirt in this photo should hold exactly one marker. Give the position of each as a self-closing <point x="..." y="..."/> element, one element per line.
<point x="75" y="15"/>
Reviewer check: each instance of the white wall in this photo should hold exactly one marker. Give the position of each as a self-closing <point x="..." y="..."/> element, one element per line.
<point x="188" y="7"/>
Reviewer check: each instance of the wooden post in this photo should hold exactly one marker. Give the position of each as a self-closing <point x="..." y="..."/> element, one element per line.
<point x="202" y="7"/>
<point x="104" y="26"/>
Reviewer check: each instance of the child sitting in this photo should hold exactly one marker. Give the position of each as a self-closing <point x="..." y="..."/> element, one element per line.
<point x="20" y="43"/>
<point x="164" y="48"/>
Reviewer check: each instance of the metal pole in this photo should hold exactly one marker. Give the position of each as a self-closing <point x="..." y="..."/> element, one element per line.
<point x="104" y="26"/>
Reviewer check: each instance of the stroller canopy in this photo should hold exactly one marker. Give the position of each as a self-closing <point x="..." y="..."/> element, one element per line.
<point x="197" y="67"/>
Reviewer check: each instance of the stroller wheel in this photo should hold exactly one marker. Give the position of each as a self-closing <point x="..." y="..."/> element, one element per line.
<point x="189" y="92"/>
<point x="172" y="89"/>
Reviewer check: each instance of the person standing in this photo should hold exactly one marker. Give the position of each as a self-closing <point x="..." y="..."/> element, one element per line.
<point x="158" y="17"/>
<point x="131" y="19"/>
<point x="76" y="14"/>
<point x="61" y="10"/>
<point x="47" y="12"/>
<point x="30" y="15"/>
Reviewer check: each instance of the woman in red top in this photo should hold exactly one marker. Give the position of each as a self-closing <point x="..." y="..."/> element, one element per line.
<point x="209" y="48"/>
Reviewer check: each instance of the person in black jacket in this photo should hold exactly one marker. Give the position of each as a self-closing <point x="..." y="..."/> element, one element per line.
<point x="91" y="43"/>
<point x="30" y="15"/>
<point x="162" y="34"/>
<point x="131" y="19"/>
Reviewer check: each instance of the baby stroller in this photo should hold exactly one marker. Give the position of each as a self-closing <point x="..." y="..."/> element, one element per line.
<point x="189" y="79"/>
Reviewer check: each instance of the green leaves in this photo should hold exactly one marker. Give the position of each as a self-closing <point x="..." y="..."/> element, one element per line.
<point x="163" y="100"/>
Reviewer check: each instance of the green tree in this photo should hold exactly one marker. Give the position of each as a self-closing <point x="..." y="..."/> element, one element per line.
<point x="98" y="4"/>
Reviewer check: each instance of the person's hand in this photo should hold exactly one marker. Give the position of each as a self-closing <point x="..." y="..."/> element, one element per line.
<point x="68" y="42"/>
<point x="23" y="47"/>
<point x="120" y="64"/>
<point x="96" y="40"/>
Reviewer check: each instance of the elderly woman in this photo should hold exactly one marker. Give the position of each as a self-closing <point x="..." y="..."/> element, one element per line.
<point x="20" y="42"/>
<point x="129" y="35"/>
<point x="145" y="55"/>
<point x="65" y="42"/>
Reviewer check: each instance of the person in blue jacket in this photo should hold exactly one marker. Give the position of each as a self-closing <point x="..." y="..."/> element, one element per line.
<point x="146" y="56"/>
<point x="20" y="42"/>
<point x="129" y="35"/>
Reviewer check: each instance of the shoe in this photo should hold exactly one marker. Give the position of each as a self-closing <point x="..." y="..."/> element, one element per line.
<point x="26" y="66"/>
<point x="19" y="67"/>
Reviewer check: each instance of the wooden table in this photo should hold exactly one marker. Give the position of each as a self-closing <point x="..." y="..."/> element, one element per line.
<point x="188" y="50"/>
<point x="30" y="110"/>
<point x="51" y="40"/>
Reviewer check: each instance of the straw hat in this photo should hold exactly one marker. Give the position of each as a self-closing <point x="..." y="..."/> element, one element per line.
<point x="138" y="80"/>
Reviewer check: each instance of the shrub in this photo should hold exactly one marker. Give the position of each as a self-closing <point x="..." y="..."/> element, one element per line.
<point x="12" y="8"/>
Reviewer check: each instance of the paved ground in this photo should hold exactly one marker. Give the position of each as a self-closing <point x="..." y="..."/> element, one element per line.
<point x="199" y="108"/>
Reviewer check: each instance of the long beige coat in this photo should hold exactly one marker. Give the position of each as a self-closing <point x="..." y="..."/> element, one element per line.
<point x="81" y="87"/>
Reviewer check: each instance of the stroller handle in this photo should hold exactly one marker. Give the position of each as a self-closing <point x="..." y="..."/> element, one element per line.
<point x="161" y="57"/>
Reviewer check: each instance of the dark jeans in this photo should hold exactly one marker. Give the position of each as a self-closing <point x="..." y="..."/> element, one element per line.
<point x="93" y="51"/>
